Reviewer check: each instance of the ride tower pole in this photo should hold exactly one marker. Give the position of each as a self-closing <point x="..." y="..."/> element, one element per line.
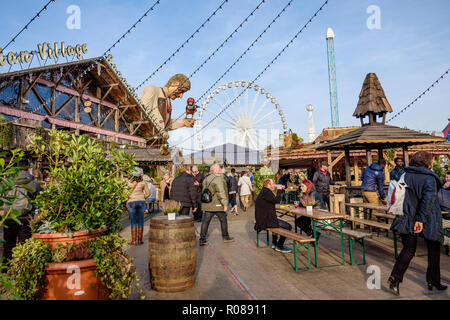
<point x="332" y="79"/>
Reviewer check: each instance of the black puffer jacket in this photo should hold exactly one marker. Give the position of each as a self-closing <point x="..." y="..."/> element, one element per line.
<point x="265" y="213"/>
<point x="322" y="182"/>
<point x="421" y="204"/>
<point x="184" y="191"/>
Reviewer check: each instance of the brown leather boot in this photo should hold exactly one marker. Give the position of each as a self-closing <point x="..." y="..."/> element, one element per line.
<point x="133" y="237"/>
<point x="140" y="232"/>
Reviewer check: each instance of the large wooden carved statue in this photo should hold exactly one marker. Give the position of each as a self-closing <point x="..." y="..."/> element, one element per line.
<point x="157" y="102"/>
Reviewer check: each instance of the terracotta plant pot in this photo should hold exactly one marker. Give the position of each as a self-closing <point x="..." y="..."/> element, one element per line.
<point x="52" y="239"/>
<point x="74" y="280"/>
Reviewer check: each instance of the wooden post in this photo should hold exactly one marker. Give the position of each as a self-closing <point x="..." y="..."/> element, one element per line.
<point x="116" y="123"/>
<point x="348" y="177"/>
<point x="356" y="169"/>
<point x="380" y="154"/>
<point x="369" y="156"/>
<point x="405" y="155"/>
<point x="330" y="166"/>
<point x="77" y="114"/>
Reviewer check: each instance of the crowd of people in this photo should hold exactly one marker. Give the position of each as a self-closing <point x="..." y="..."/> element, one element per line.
<point x="229" y="190"/>
<point x="220" y="193"/>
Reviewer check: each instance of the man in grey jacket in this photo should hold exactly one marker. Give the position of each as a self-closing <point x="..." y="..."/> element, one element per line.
<point x="217" y="185"/>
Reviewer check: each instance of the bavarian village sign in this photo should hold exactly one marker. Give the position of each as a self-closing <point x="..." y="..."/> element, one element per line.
<point x="45" y="51"/>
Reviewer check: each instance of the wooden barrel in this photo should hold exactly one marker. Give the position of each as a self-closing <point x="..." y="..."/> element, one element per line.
<point x="172" y="254"/>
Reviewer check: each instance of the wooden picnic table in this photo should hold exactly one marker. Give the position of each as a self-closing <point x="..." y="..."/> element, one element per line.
<point x="321" y="219"/>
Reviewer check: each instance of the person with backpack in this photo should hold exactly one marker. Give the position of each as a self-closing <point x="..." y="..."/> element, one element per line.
<point x="215" y="201"/>
<point x="14" y="232"/>
<point x="421" y="215"/>
<point x="232" y="191"/>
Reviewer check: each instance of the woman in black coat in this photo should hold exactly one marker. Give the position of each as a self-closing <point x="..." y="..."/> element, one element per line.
<point x="421" y="215"/>
<point x="266" y="216"/>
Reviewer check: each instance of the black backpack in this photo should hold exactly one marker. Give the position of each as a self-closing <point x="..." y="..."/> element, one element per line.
<point x="229" y="183"/>
<point x="207" y="196"/>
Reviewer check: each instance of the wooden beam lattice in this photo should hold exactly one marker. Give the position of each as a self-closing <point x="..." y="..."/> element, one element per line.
<point x="41" y="100"/>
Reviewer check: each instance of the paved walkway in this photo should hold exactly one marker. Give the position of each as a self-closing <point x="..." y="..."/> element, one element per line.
<point x="240" y="271"/>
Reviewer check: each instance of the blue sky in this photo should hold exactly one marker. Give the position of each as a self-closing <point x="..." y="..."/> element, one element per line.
<point x="408" y="53"/>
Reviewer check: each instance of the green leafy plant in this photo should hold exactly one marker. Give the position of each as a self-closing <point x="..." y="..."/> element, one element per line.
<point x="85" y="191"/>
<point x="260" y="176"/>
<point x="157" y="179"/>
<point x="28" y="268"/>
<point x="114" y="267"/>
<point x="39" y="131"/>
<point x="8" y="171"/>
<point x="308" y="201"/>
<point x="171" y="206"/>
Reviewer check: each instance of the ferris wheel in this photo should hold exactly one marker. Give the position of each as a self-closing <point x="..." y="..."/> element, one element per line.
<point x="252" y="119"/>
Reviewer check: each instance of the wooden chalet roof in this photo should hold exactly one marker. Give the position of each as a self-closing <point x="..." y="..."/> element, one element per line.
<point x="381" y="135"/>
<point x="372" y="98"/>
<point x="328" y="134"/>
<point x="103" y="76"/>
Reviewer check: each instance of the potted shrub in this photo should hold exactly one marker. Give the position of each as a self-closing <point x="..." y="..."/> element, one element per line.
<point x="75" y="231"/>
<point x="309" y="203"/>
<point x="171" y="208"/>
<point x="164" y="149"/>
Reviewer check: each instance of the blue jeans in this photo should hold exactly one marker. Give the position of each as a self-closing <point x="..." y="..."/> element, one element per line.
<point x="136" y="209"/>
<point x="150" y="201"/>
<point x="280" y="242"/>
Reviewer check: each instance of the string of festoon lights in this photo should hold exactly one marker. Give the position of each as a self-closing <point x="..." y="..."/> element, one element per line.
<point x="245" y="51"/>
<point x="236" y="30"/>
<point x="108" y="57"/>
<point x="216" y="50"/>
<point x="420" y="96"/>
<point x="258" y="76"/>
<point x="36" y="16"/>
<point x="204" y="23"/>
<point x="243" y="54"/>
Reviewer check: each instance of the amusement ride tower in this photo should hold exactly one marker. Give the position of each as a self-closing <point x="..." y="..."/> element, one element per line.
<point x="332" y="79"/>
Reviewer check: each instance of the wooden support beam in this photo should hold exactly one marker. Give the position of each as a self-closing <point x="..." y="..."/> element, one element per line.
<point x="6" y="86"/>
<point x="63" y="76"/>
<point x="108" y="91"/>
<point x="32" y="84"/>
<point x="136" y="129"/>
<point x="356" y="170"/>
<point x="55" y="77"/>
<point x="405" y="155"/>
<point x="107" y="117"/>
<point x="77" y="114"/>
<point x="369" y="157"/>
<point x="339" y="157"/>
<point x="348" y="176"/>
<point x="128" y="106"/>
<point x="65" y="104"/>
<point x="41" y="101"/>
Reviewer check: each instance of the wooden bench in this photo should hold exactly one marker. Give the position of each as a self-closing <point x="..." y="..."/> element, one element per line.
<point x="298" y="239"/>
<point x="378" y="225"/>
<point x="354" y="237"/>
